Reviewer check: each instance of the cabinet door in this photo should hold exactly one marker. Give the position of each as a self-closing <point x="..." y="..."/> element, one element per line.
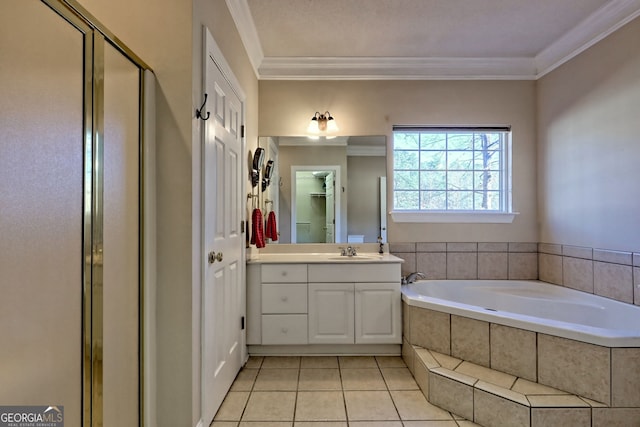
<point x="331" y="313"/>
<point x="377" y="313"/>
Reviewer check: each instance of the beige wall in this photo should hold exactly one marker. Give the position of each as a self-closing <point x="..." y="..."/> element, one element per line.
<point x="167" y="34"/>
<point x="373" y="107"/>
<point x="589" y="146"/>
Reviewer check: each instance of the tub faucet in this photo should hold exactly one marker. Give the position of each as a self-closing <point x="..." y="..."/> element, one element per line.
<point x="410" y="278"/>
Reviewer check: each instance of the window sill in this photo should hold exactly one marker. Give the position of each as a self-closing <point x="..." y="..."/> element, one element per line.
<point x="454" y="217"/>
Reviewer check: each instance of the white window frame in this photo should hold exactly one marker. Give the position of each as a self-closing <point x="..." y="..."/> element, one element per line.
<point x="504" y="215"/>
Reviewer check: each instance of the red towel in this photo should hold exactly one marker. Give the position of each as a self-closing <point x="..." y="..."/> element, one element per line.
<point x="257" y="235"/>
<point x="271" y="229"/>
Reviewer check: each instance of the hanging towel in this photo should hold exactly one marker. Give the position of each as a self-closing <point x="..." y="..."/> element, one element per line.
<point x="271" y="230"/>
<point x="257" y="235"/>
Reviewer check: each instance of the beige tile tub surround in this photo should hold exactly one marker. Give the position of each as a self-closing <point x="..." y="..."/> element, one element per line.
<point x="493" y="266"/>
<point x="613" y="281"/>
<point x="432" y="264"/>
<point x="625" y="377"/>
<point x="491" y="410"/>
<point x="493" y="398"/>
<point x="550" y="268"/>
<point x="615" y="417"/>
<point x="469" y="260"/>
<point x="574" y="366"/>
<point x="462" y="265"/>
<point x="513" y="351"/>
<point x="610" y="376"/>
<point x="608" y="273"/>
<point x="430" y="329"/>
<point x="453" y="395"/>
<point x="578" y="274"/>
<point x="470" y="340"/>
<point x="523" y="266"/>
<point x="566" y="417"/>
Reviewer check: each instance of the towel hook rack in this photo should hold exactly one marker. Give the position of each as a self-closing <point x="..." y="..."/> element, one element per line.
<point x="199" y="113"/>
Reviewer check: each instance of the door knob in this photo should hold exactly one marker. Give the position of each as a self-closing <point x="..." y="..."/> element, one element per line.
<point x="213" y="257"/>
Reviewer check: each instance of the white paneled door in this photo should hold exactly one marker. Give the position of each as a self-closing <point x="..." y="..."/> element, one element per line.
<point x="222" y="296"/>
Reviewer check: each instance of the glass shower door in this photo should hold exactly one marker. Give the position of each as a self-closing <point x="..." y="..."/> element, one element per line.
<point x="41" y="209"/>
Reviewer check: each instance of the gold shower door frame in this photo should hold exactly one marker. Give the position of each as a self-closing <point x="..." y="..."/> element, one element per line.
<point x="96" y="36"/>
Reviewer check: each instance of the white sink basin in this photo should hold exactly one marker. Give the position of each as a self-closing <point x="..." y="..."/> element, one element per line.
<point x="354" y="258"/>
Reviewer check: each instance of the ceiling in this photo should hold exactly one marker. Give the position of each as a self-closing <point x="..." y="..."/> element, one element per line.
<point x="421" y="39"/>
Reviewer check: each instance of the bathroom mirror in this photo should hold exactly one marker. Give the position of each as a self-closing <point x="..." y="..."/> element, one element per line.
<point x="309" y="207"/>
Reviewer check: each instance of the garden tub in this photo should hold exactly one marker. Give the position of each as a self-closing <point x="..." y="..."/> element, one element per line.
<point x="534" y="306"/>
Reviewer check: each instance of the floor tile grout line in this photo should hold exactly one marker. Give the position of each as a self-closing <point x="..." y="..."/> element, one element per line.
<point x="342" y="390"/>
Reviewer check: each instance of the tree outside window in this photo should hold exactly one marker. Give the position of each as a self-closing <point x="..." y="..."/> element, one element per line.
<point x="449" y="169"/>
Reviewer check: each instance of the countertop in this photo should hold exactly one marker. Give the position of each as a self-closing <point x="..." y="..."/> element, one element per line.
<point x="321" y="258"/>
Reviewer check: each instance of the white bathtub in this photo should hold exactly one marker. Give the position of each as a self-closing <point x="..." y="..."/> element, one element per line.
<point x="534" y="306"/>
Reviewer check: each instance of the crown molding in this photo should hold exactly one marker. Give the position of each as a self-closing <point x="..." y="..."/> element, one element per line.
<point x="380" y="68"/>
<point x="596" y="27"/>
<point x="241" y="15"/>
<point x="600" y="24"/>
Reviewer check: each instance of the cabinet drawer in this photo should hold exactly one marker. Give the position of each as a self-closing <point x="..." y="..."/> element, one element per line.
<point x="284" y="298"/>
<point x="375" y="272"/>
<point x="279" y="273"/>
<point x="284" y="329"/>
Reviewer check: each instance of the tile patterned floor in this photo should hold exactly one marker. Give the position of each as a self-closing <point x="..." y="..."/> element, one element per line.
<point x="329" y="391"/>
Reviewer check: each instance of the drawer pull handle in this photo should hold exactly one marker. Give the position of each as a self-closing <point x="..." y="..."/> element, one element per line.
<point x="285" y="299"/>
<point x="284" y="273"/>
<point x="285" y="330"/>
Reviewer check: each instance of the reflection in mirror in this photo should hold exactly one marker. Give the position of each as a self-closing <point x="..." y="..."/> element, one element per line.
<point x="359" y="199"/>
<point x="313" y="215"/>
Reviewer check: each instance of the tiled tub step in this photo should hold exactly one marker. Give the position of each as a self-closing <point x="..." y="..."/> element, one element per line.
<point x="492" y="398"/>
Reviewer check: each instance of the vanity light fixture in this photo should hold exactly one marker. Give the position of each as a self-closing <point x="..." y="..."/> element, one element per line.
<point x="321" y="123"/>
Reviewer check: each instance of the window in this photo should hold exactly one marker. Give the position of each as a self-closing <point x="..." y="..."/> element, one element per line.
<point x="457" y="173"/>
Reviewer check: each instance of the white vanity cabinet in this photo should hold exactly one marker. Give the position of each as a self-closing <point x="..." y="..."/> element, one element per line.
<point x="378" y="313"/>
<point x="323" y="307"/>
<point x="365" y="310"/>
<point x="331" y="313"/>
<point x="284" y="304"/>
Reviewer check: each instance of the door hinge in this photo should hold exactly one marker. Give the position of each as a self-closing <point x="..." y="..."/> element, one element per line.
<point x="242" y="323"/>
<point x="242" y="131"/>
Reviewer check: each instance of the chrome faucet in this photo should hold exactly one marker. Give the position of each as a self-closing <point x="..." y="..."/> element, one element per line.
<point x="349" y="251"/>
<point x="410" y="278"/>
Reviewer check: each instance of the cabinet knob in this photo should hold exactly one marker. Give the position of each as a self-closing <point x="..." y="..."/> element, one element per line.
<point x="284" y="273"/>
<point x="285" y="330"/>
<point x="284" y="299"/>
